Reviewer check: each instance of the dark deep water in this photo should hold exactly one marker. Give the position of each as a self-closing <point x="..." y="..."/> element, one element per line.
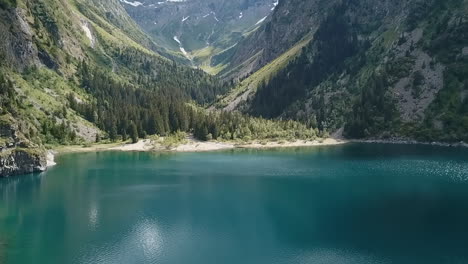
<point x="357" y="203"/>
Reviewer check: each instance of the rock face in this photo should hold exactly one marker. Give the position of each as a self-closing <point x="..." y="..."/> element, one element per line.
<point x="19" y="161"/>
<point x="17" y="46"/>
<point x="17" y="154"/>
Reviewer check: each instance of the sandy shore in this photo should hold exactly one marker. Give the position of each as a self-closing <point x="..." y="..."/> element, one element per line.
<point x="193" y="145"/>
<point x="199" y="146"/>
<point x="299" y="143"/>
<point x="141" y="145"/>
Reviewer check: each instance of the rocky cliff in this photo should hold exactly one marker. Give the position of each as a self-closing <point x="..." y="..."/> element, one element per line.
<point x="19" y="161"/>
<point x="17" y="154"/>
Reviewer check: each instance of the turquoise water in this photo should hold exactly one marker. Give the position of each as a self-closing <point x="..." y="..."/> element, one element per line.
<point x="357" y="203"/>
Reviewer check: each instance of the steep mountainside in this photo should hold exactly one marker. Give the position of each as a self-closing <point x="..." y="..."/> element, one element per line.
<point x="58" y="57"/>
<point x="377" y="68"/>
<point x="290" y="23"/>
<point x="199" y="29"/>
<point x="80" y="71"/>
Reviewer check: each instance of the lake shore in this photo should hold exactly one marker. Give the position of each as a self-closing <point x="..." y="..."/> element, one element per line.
<point x="409" y="142"/>
<point x="193" y="145"/>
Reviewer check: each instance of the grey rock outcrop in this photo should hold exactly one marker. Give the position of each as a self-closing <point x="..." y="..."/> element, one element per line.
<point x="17" y="154"/>
<point x="19" y="161"/>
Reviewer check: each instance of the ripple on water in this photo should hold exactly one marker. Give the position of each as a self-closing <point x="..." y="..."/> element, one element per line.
<point x="142" y="242"/>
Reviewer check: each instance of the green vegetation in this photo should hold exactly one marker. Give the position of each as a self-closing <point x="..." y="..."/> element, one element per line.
<point x="336" y="40"/>
<point x="125" y="110"/>
<point x="374" y="111"/>
<point x="174" y="139"/>
<point x="365" y="74"/>
<point x="7" y="4"/>
<point x="267" y="72"/>
<point x="8" y="101"/>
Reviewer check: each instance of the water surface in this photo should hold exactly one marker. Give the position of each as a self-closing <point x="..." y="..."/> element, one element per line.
<point x="357" y="203"/>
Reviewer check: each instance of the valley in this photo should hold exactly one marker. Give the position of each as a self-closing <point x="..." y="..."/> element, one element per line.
<point x="199" y="30"/>
<point x="233" y="131"/>
<point x="79" y="72"/>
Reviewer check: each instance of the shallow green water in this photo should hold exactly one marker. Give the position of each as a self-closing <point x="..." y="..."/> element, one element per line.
<point x="358" y="203"/>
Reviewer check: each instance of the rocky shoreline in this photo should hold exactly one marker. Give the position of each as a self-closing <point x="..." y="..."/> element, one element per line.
<point x="18" y="155"/>
<point x="21" y="161"/>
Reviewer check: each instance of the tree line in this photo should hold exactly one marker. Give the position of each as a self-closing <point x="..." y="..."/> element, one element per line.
<point x="125" y="111"/>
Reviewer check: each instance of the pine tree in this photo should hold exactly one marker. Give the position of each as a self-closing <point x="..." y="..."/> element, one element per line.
<point x="133" y="132"/>
<point x="113" y="132"/>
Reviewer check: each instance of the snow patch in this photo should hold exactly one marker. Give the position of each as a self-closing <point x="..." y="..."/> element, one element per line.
<point x="206" y="15"/>
<point x="177" y="40"/>
<point x="214" y="14"/>
<point x="261" y="20"/>
<point x="274" y="5"/>
<point x="185" y="18"/>
<point x="241" y="15"/>
<point x="184" y="52"/>
<point x="135" y="3"/>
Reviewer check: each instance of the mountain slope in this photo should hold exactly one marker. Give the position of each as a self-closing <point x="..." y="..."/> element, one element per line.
<point x="78" y="72"/>
<point x="52" y="52"/>
<point x="284" y="28"/>
<point x="378" y="69"/>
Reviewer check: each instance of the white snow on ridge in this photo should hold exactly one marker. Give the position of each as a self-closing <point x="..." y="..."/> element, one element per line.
<point x="135" y="4"/>
<point x="177" y="40"/>
<point x="206" y="15"/>
<point x="214" y="14"/>
<point x="138" y="3"/>
<point x="274" y="5"/>
<point x="241" y="15"/>
<point x="261" y="20"/>
<point x="185" y="18"/>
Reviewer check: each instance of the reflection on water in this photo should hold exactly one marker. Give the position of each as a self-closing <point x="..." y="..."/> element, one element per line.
<point x="358" y="203"/>
<point x="143" y="238"/>
<point x="93" y="215"/>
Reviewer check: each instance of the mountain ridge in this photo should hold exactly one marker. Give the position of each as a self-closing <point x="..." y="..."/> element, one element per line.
<point x="399" y="73"/>
<point x="199" y="30"/>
